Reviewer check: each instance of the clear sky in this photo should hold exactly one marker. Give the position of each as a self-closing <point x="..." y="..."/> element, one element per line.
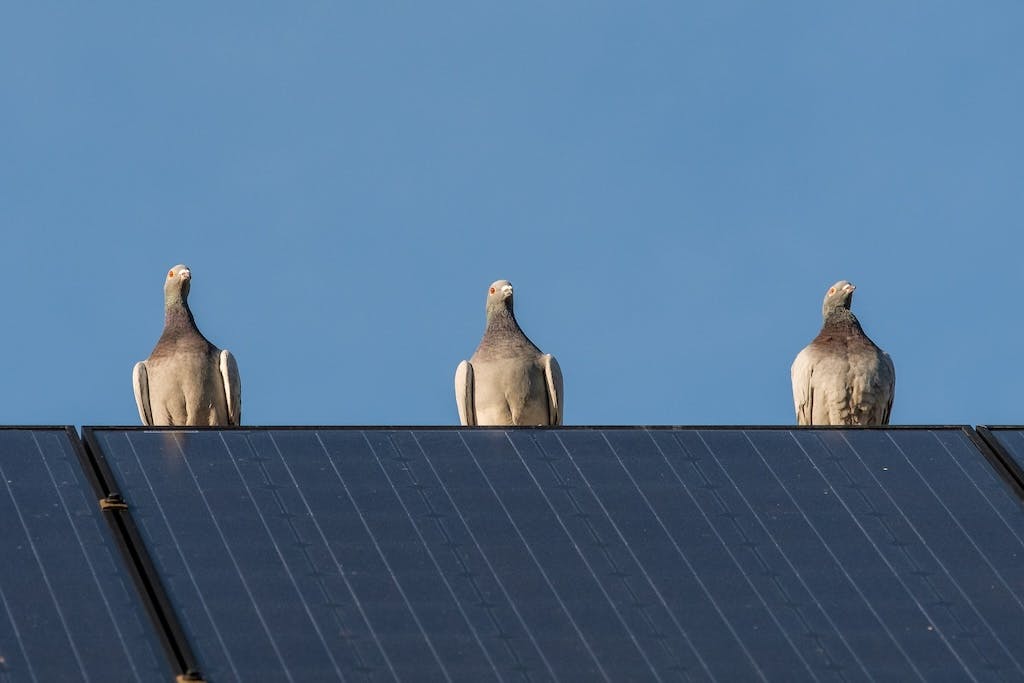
<point x="671" y="187"/>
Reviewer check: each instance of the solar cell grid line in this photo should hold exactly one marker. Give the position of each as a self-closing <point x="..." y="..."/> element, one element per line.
<point x="748" y="477"/>
<point x="527" y="523"/>
<point x="787" y="597"/>
<point x="734" y="617"/>
<point x="661" y="523"/>
<point x="544" y="573"/>
<point x="757" y="552"/>
<point x="130" y="460"/>
<point x="318" y="592"/>
<point x="645" y="655"/>
<point x="383" y="557"/>
<point x="612" y="607"/>
<point x="280" y="556"/>
<point x="833" y="487"/>
<point x="909" y="555"/>
<point x="618" y="614"/>
<point x="66" y="611"/>
<point x="149" y="515"/>
<point x="924" y="584"/>
<point x="388" y="564"/>
<point x="831" y="549"/>
<point x="206" y="503"/>
<point x="970" y="535"/>
<point x="523" y="578"/>
<point x="586" y="518"/>
<point x="954" y="568"/>
<point x="642" y="597"/>
<point x="43" y="573"/>
<point x="221" y="610"/>
<point x="433" y="559"/>
<point x="361" y="663"/>
<point x="491" y="572"/>
<point x="911" y="526"/>
<point x="185" y="567"/>
<point x="484" y="593"/>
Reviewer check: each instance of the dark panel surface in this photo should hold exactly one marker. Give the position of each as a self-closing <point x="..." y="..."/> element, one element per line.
<point x="582" y="554"/>
<point x="1008" y="443"/>
<point x="68" y="611"/>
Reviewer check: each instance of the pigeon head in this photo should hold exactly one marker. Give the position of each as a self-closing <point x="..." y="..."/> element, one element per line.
<point x="499" y="297"/>
<point x="177" y="284"/>
<point x="839" y="296"/>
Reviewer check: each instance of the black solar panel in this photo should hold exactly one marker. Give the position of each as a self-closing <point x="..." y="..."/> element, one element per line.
<point x="68" y="611"/>
<point x="1008" y="445"/>
<point x="582" y="554"/>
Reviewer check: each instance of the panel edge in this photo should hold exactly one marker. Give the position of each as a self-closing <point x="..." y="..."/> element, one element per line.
<point x="997" y="456"/>
<point x="135" y="555"/>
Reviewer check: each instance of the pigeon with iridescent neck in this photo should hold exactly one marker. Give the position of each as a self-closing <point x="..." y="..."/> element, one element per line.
<point x="508" y="381"/>
<point x="842" y="377"/>
<point x="186" y="381"/>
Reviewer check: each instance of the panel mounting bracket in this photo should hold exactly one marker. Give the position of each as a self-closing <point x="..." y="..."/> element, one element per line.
<point x="113" y="501"/>
<point x="189" y="676"/>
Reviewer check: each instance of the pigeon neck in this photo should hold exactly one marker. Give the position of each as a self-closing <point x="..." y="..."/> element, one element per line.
<point x="841" y="317"/>
<point x="177" y="315"/>
<point x="501" y="320"/>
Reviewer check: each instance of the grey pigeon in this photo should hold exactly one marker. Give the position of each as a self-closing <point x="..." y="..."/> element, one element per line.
<point x="508" y="381"/>
<point x="841" y="377"/>
<point x="186" y="380"/>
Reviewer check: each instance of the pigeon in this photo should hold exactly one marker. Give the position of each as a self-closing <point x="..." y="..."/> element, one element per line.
<point x="186" y="381"/>
<point x="508" y="381"/>
<point x="841" y="377"/>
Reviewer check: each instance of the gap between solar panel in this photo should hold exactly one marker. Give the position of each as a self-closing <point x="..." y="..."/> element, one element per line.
<point x="147" y="582"/>
<point x="999" y="457"/>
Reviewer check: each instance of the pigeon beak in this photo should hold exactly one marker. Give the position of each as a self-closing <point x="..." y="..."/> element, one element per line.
<point x="849" y="288"/>
<point x="186" y="274"/>
<point x="506" y="291"/>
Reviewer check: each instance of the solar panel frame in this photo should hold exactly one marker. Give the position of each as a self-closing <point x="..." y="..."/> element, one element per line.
<point x="978" y="443"/>
<point x="1002" y="459"/>
<point x="110" y="582"/>
<point x="136" y="557"/>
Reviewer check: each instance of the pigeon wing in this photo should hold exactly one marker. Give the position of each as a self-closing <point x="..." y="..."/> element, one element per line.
<point x="232" y="387"/>
<point x="140" y="382"/>
<point x="802" y="373"/>
<point x="889" y="377"/>
<point x="556" y="397"/>
<point x="464" y="393"/>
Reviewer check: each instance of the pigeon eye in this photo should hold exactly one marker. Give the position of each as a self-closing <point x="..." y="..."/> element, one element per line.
<point x="492" y="290"/>
<point x="170" y="274"/>
<point x="832" y="291"/>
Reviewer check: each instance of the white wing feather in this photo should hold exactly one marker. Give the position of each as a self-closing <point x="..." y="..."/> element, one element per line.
<point x="232" y="387"/>
<point x="140" y="383"/>
<point x="464" y="393"/>
<point x="556" y="396"/>
<point x="803" y="393"/>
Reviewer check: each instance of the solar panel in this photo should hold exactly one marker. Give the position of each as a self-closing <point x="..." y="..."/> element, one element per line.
<point x="581" y="554"/>
<point x="68" y="611"/>
<point x="1007" y="443"/>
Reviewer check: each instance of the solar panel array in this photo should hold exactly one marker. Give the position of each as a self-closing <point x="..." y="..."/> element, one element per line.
<point x="577" y="554"/>
<point x="68" y="609"/>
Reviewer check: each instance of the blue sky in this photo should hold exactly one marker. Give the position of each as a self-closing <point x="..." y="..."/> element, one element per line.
<point x="670" y="187"/>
